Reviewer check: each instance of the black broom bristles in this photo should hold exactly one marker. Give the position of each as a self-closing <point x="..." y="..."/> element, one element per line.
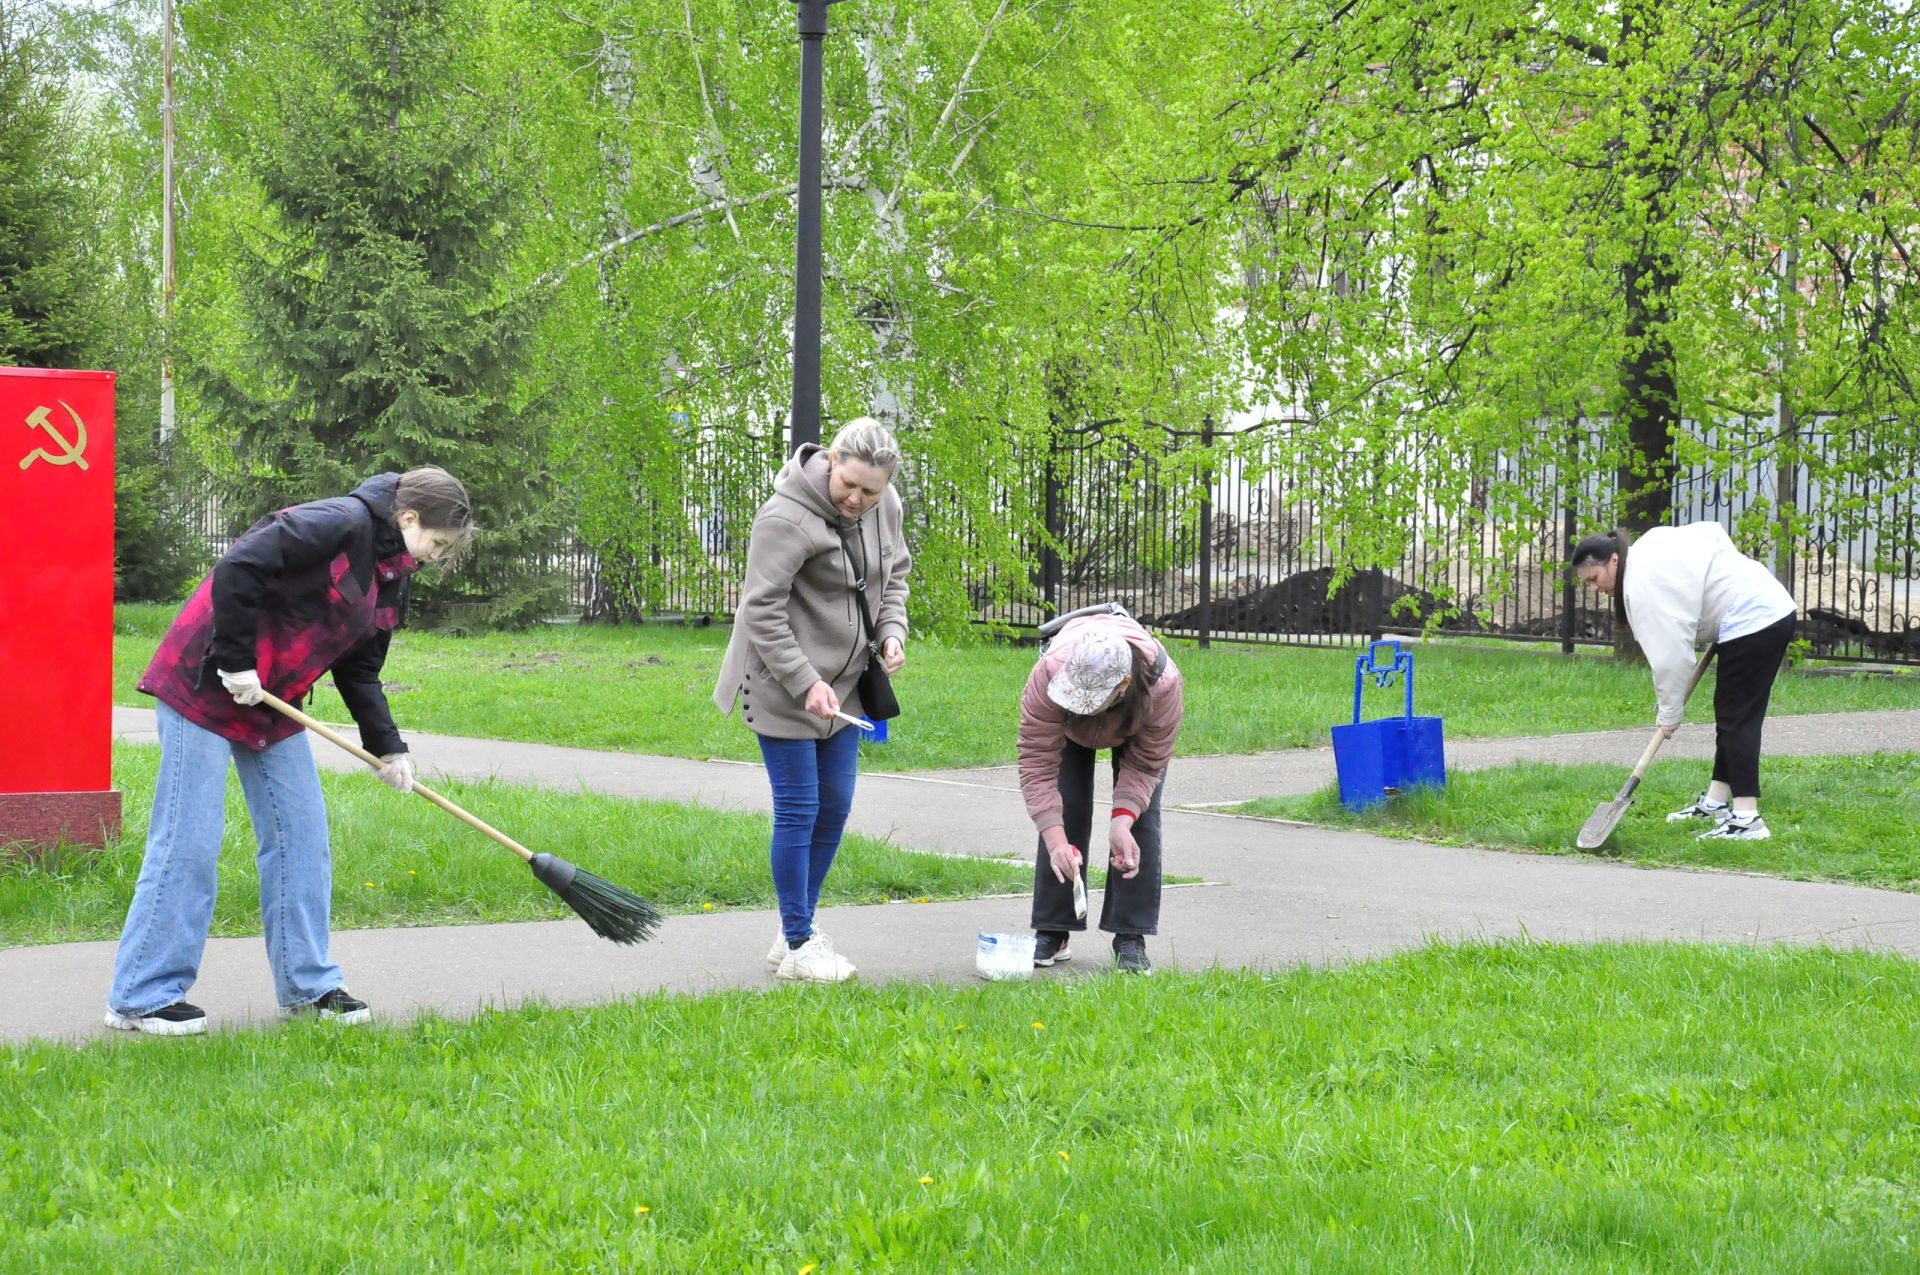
<point x="614" y="912"/>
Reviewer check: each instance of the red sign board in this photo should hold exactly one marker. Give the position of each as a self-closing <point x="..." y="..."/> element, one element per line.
<point x="56" y="600"/>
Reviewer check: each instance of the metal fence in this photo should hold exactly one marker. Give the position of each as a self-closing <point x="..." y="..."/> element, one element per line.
<point x="1247" y="547"/>
<point x="1240" y="536"/>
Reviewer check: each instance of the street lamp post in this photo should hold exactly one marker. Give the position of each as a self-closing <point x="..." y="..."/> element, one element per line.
<point x="812" y="24"/>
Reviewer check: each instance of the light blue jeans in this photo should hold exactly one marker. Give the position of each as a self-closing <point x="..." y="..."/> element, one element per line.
<point x="166" y="930"/>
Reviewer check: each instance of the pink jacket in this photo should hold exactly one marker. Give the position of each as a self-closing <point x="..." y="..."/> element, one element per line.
<point x="1044" y="728"/>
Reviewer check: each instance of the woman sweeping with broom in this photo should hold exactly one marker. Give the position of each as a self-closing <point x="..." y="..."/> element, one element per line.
<point x="827" y="541"/>
<point x="1687" y="586"/>
<point x="311" y="589"/>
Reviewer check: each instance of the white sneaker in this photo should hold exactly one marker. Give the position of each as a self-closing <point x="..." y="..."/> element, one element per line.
<point x="1738" y="828"/>
<point x="815" y="961"/>
<point x="1703" y="807"/>
<point x="778" y="952"/>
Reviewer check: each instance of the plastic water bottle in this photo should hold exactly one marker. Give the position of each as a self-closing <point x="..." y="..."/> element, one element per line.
<point x="1004" y="956"/>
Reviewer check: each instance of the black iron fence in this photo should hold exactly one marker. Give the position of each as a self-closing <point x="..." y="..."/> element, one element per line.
<point x="1250" y="535"/>
<point x="1248" y="543"/>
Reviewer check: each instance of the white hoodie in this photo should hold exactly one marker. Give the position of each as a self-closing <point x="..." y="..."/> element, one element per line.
<point x="1687" y="586"/>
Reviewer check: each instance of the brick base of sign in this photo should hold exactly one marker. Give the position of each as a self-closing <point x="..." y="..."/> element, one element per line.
<point x="33" y="822"/>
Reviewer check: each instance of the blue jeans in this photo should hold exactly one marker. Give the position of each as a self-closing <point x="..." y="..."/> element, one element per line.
<point x="812" y="792"/>
<point x="166" y="930"/>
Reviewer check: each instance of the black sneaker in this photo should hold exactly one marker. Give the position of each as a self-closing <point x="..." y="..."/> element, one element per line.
<point x="1050" y="949"/>
<point x="177" y="1019"/>
<point x="338" y="1006"/>
<point x="1130" y="954"/>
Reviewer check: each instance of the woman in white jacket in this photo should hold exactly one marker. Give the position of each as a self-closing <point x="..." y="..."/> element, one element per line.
<point x="1689" y="586"/>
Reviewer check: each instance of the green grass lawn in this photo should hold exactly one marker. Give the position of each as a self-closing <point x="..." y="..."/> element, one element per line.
<point x="400" y="861"/>
<point x="1511" y="1108"/>
<point x="1854" y="819"/>
<point x="646" y="689"/>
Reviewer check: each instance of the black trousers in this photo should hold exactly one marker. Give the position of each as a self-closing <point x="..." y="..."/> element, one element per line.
<point x="1748" y="666"/>
<point x="1128" y="906"/>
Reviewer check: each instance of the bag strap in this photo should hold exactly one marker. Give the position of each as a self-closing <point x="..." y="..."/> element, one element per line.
<point x="1047" y="630"/>
<point x="860" y="591"/>
<point x="1159" y="663"/>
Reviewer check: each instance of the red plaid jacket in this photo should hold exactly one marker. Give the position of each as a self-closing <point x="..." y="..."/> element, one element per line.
<point x="313" y="588"/>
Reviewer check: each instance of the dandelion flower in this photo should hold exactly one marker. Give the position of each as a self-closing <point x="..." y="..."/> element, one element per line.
<point x="809" y="1268"/>
<point x="1039" y="1026"/>
<point x="926" y="1179"/>
<point x="1064" y="1157"/>
<point x="959" y="1027"/>
<point x="706" y="907"/>
<point x="640" y="1210"/>
<point x="368" y="884"/>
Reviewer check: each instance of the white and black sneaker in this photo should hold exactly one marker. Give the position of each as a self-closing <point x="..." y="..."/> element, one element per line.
<point x="1738" y="828"/>
<point x="1050" y="949"/>
<point x="1703" y="807"/>
<point x="336" y="1005"/>
<point x="177" y="1019"/>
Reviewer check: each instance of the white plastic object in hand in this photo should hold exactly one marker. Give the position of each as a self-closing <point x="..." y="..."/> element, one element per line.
<point x="397" y="772"/>
<point x="1079" y="897"/>
<point x="244" y="686"/>
<point x="861" y="722"/>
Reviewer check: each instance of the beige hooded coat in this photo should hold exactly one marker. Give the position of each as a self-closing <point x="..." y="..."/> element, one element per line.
<point x="798" y="622"/>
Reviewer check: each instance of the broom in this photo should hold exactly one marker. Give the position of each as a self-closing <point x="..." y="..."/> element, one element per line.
<point x="613" y="912"/>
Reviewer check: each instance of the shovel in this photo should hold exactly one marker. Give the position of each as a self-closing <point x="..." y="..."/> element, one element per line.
<point x="1600" y="824"/>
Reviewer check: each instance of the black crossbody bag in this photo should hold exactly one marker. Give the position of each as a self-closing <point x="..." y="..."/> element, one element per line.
<point x="877" y="699"/>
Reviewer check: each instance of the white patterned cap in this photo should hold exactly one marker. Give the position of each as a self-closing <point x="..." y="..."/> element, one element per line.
<point x="1099" y="661"/>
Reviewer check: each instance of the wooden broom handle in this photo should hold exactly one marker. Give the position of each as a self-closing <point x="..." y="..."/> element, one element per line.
<point x="335" y="737"/>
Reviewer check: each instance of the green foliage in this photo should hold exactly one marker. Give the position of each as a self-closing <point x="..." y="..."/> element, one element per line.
<point x="78" y="268"/>
<point x="1438" y="268"/>
<point x="1478" y="227"/>
<point x="381" y="328"/>
<point x="49" y="312"/>
<point x="985" y="284"/>
<point x="157" y="552"/>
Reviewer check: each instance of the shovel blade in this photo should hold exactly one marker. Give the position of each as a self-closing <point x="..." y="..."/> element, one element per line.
<point x="1600" y="824"/>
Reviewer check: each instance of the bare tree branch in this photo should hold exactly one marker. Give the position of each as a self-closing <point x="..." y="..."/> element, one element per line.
<point x="555" y="277"/>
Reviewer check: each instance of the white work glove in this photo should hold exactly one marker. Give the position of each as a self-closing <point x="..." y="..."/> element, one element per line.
<point x="244" y="686"/>
<point x="396" y="771"/>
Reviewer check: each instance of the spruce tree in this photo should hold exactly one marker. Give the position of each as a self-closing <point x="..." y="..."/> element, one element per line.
<point x="381" y="333"/>
<point x="47" y="306"/>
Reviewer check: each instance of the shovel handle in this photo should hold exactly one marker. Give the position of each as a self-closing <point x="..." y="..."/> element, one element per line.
<point x="333" y="736"/>
<point x="1659" y="737"/>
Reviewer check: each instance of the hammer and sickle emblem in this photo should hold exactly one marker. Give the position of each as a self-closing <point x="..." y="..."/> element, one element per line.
<point x="73" y="453"/>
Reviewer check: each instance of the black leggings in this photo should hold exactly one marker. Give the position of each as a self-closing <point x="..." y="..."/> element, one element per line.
<point x="1748" y="666"/>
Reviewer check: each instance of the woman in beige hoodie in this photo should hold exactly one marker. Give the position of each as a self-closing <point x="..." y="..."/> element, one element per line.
<point x="832" y="526"/>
